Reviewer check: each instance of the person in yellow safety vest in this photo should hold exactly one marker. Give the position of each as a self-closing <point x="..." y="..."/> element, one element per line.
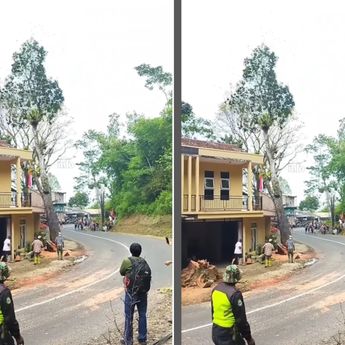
<point x="9" y="327"/>
<point x="230" y="325"/>
<point x="37" y="246"/>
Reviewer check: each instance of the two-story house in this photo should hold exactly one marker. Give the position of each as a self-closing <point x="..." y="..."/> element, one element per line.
<point x="18" y="216"/>
<point x="217" y="208"/>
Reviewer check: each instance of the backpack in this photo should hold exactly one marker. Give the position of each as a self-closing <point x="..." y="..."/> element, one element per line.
<point x="138" y="280"/>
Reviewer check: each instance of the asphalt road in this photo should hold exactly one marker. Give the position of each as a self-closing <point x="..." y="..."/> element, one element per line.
<point x="75" y="306"/>
<point x="305" y="309"/>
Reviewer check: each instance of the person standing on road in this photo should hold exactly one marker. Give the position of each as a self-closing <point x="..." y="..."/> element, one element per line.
<point x="230" y="325"/>
<point x="8" y="323"/>
<point x="137" y="282"/>
<point x="6" y="249"/>
<point x="268" y="251"/>
<point x="238" y="251"/>
<point x="59" y="246"/>
<point x="291" y="248"/>
<point x="37" y="247"/>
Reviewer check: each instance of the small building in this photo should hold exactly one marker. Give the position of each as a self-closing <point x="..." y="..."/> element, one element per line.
<point x="59" y="204"/>
<point x="217" y="209"/>
<point x="289" y="204"/>
<point x="20" y="209"/>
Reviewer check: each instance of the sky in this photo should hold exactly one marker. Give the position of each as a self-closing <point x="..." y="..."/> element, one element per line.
<point x="93" y="47"/>
<point x="307" y="37"/>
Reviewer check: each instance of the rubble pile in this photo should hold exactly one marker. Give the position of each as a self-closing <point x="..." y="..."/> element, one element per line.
<point x="199" y="273"/>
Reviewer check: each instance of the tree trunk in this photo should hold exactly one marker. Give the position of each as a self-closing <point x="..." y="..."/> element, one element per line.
<point x="42" y="183"/>
<point x="276" y="193"/>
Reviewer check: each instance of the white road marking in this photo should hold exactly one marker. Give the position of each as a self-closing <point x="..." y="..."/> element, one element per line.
<point x="283" y="301"/>
<point x="80" y="288"/>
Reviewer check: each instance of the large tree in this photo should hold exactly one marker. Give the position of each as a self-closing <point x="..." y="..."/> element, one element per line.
<point x="263" y="107"/>
<point x="310" y="203"/>
<point x="323" y="178"/>
<point x="32" y="104"/>
<point x="79" y="199"/>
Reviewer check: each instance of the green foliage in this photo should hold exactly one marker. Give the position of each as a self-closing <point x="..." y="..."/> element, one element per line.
<point x="310" y="203"/>
<point x="155" y="76"/>
<point x="29" y="95"/>
<point x="194" y="126"/>
<point x="135" y="169"/>
<point x="259" y="98"/>
<point x="80" y="199"/>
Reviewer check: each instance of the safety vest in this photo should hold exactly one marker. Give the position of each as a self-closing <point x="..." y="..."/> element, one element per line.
<point x="2" y="288"/>
<point x="222" y="309"/>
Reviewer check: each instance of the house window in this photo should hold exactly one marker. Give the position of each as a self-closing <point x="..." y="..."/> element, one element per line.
<point x="22" y="230"/>
<point x="224" y="186"/>
<point x="254" y="236"/>
<point x="209" y="185"/>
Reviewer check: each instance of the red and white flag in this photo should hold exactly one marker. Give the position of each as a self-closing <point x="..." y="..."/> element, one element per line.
<point x="261" y="183"/>
<point x="29" y="180"/>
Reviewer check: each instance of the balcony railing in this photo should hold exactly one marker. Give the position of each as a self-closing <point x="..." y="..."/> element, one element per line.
<point x="233" y="203"/>
<point x="10" y="199"/>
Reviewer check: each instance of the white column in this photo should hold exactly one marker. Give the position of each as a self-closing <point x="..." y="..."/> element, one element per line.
<point x="18" y="184"/>
<point x="243" y="242"/>
<point x="197" y="172"/>
<point x="250" y="187"/>
<point x="12" y="238"/>
<point x="182" y="182"/>
<point x="189" y="183"/>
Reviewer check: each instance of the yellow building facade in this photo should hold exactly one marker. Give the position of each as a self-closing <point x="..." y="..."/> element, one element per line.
<point x="218" y="202"/>
<point x="18" y="216"/>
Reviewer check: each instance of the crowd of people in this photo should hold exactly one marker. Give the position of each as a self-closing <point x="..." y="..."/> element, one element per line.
<point x="87" y="223"/>
<point x="322" y="228"/>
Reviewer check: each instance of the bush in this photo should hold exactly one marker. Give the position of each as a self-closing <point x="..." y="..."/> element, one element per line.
<point x="259" y="249"/>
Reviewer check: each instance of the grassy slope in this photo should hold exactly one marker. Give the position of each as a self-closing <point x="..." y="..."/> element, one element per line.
<point x="146" y="225"/>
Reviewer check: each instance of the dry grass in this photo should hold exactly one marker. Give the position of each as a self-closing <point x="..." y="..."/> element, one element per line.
<point x="160" y="226"/>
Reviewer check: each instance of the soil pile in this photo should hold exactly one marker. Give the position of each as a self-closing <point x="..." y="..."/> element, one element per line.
<point x="199" y="273"/>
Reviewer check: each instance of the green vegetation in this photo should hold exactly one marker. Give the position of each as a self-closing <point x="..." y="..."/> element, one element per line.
<point x="258" y="116"/>
<point x="80" y="199"/>
<point x="135" y="168"/>
<point x="32" y="118"/>
<point x="328" y="171"/>
<point x="310" y="203"/>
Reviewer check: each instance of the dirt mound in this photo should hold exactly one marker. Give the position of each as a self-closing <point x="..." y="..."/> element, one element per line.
<point x="199" y="273"/>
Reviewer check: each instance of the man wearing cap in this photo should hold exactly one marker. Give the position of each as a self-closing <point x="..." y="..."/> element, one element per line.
<point x="291" y="247"/>
<point x="230" y="325"/>
<point x="268" y="249"/>
<point x="59" y="245"/>
<point x="37" y="247"/>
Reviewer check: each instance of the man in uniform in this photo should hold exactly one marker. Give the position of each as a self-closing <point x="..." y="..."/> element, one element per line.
<point x="291" y="247"/>
<point x="230" y="325"/>
<point x="59" y="245"/>
<point x="9" y="327"/>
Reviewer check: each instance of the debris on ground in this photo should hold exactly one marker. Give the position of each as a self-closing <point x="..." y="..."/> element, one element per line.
<point x="159" y="322"/>
<point x="281" y="250"/>
<point x="199" y="273"/>
<point x="51" y="246"/>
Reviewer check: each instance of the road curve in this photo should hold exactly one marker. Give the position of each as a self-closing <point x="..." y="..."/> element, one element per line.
<point x="305" y="309"/>
<point x="75" y="306"/>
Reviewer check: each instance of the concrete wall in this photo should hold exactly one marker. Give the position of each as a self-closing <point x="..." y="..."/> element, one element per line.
<point x="5" y="177"/>
<point x="32" y="223"/>
<point x="261" y="225"/>
<point x="235" y="177"/>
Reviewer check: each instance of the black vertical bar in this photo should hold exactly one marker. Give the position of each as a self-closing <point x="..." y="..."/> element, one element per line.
<point x="177" y="173"/>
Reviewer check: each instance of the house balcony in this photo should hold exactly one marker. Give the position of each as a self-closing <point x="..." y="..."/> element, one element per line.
<point x="217" y="203"/>
<point x="10" y="199"/>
